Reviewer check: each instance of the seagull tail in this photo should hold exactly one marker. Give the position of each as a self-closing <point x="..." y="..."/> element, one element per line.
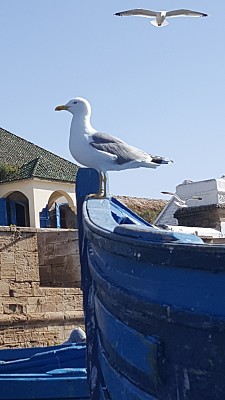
<point x="155" y="23"/>
<point x="161" y="160"/>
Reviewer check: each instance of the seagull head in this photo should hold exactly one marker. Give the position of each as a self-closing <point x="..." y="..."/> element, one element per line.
<point x="76" y="106"/>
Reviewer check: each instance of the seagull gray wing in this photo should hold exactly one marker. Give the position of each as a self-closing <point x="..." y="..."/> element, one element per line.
<point x="123" y="152"/>
<point x="185" y="13"/>
<point x="140" y="12"/>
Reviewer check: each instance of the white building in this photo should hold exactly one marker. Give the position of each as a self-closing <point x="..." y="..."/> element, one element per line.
<point x="209" y="212"/>
<point x="37" y="187"/>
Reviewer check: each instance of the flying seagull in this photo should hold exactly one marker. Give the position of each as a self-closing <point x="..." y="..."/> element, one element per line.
<point x="160" y="16"/>
<point x="99" y="150"/>
<point x="180" y="202"/>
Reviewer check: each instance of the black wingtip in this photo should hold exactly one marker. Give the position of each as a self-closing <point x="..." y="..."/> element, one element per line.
<point x="161" y="160"/>
<point x="118" y="14"/>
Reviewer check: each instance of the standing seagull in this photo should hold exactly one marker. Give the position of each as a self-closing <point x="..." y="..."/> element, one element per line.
<point x="101" y="151"/>
<point x="160" y="16"/>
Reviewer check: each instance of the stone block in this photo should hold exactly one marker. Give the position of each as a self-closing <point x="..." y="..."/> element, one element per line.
<point x="2" y="342"/>
<point x="52" y="291"/>
<point x="37" y="290"/>
<point x="7" y="257"/>
<point x="54" y="260"/>
<point x="60" y="307"/>
<point x="72" y="263"/>
<point x="12" y="300"/>
<point x="56" y="299"/>
<point x="55" y="317"/>
<point x="24" y="243"/>
<point x="27" y="267"/>
<point x="37" y="318"/>
<point x="22" y="336"/>
<point x="9" y="336"/>
<point x="64" y="249"/>
<point x="59" y="274"/>
<point x="36" y="300"/>
<point x="6" y="241"/>
<point x="13" y="308"/>
<point x="40" y="334"/>
<point x="32" y="244"/>
<point x="62" y="236"/>
<point x="73" y="235"/>
<point x="21" y="289"/>
<point x="72" y="291"/>
<point x="4" y="288"/>
<point x="54" y="236"/>
<point x="41" y="238"/>
<point x="49" y="249"/>
<point x="33" y="308"/>
<point x="45" y="274"/>
<point x="49" y="307"/>
<point x="12" y="319"/>
<point x="8" y="271"/>
<point x="74" y="303"/>
<point x="74" y="315"/>
<point x="1" y="306"/>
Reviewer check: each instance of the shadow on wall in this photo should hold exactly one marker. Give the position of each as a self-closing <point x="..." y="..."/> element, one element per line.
<point x="61" y="216"/>
<point x="59" y="263"/>
<point x="58" y="215"/>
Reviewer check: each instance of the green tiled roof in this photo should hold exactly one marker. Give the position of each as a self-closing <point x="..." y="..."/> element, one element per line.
<point x="33" y="161"/>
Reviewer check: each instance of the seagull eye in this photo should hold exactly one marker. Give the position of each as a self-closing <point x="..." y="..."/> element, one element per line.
<point x="75" y="102"/>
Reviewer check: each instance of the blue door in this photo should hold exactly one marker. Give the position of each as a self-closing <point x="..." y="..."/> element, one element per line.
<point x="3" y="213"/>
<point x="12" y="220"/>
<point x="57" y="215"/>
<point x="44" y="218"/>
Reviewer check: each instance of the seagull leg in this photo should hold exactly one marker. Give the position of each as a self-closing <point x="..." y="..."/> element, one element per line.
<point x="99" y="195"/>
<point x="105" y="184"/>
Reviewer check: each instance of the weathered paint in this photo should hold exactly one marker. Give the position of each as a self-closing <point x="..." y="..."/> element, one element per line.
<point x="54" y="373"/>
<point x="154" y="305"/>
<point x="54" y="385"/>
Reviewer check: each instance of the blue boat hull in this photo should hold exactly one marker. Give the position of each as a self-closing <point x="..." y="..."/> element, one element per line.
<point x="54" y="385"/>
<point x="154" y="306"/>
<point x="52" y="373"/>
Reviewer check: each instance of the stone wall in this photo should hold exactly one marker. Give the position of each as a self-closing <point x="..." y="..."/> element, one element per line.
<point x="58" y="257"/>
<point x="32" y="314"/>
<point x="208" y="216"/>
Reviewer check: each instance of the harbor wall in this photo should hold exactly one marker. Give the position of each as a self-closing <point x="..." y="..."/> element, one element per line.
<point x="40" y="295"/>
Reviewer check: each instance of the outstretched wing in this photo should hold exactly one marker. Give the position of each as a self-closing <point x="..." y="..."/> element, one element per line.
<point x="185" y="13"/>
<point x="139" y="12"/>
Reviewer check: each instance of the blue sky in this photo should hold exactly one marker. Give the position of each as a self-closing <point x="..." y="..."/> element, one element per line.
<point x="161" y="90"/>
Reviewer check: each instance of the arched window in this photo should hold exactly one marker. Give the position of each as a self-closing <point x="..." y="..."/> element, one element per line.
<point x="16" y="209"/>
<point x="60" y="212"/>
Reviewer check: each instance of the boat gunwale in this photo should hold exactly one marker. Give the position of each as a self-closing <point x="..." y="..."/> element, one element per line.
<point x="173" y="252"/>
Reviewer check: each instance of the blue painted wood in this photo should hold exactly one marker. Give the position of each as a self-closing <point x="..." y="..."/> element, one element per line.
<point x="57" y="215"/>
<point x="123" y="215"/>
<point x="3" y="213"/>
<point x="12" y="209"/>
<point x="27" y="352"/>
<point x="67" y="357"/>
<point x="44" y="218"/>
<point x="154" y="306"/>
<point x="70" y="384"/>
<point x="57" y="373"/>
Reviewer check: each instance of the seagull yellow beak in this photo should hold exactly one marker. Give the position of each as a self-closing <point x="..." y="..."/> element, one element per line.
<point x="60" y="108"/>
